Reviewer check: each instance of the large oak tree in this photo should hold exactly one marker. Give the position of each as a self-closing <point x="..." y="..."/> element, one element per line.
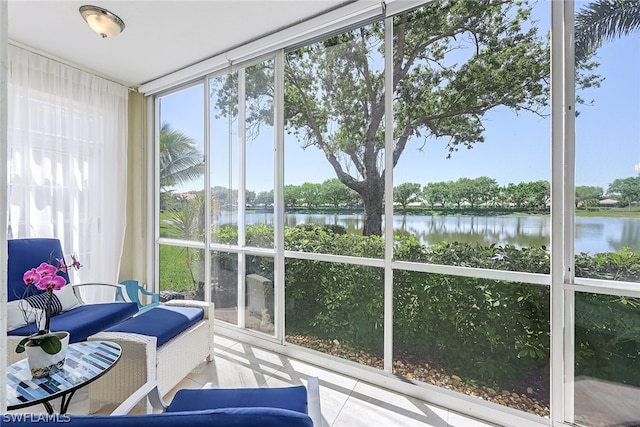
<point x="453" y="61"/>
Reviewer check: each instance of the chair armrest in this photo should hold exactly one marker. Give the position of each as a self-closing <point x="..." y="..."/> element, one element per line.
<point x="313" y="401"/>
<point x="155" y="297"/>
<point x="76" y="288"/>
<point x="148" y="390"/>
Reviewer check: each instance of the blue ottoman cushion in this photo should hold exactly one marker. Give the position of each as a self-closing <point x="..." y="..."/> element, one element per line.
<point x="163" y="322"/>
<point x="85" y="320"/>
<point x="290" y="398"/>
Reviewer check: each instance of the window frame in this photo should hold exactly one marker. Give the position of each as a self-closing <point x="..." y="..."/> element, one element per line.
<point x="561" y="280"/>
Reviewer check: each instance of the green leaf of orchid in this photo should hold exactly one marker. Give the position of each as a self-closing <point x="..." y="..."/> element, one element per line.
<point x="51" y="344"/>
<point x="20" y="348"/>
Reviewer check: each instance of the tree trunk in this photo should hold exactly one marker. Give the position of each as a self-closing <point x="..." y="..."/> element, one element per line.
<point x="372" y="220"/>
<point x="372" y="198"/>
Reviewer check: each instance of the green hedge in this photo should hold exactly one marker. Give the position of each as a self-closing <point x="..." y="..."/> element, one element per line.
<point x="491" y="331"/>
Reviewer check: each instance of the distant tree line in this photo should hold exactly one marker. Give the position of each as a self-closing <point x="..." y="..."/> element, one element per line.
<point x="474" y="192"/>
<point x="481" y="192"/>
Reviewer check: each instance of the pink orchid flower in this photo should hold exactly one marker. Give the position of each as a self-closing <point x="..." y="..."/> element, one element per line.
<point x="75" y="264"/>
<point x="46" y="269"/>
<point x="54" y="283"/>
<point x="31" y="277"/>
<point x="62" y="266"/>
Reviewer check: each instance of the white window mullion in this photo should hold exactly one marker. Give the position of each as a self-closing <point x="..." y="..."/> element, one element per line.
<point x="242" y="156"/>
<point x="558" y="203"/>
<point x="569" y="208"/>
<point x="388" y="195"/>
<point x="207" y="190"/>
<point x="241" y="197"/>
<point x="278" y="198"/>
<point x="154" y="197"/>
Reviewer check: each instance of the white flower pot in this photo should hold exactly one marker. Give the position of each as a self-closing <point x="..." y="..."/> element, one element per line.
<point x="42" y="363"/>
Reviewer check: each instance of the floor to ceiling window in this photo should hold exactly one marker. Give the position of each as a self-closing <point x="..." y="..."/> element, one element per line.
<point x="471" y="189"/>
<point x="411" y="231"/>
<point x="180" y="193"/>
<point x="334" y="145"/>
<point x="604" y="376"/>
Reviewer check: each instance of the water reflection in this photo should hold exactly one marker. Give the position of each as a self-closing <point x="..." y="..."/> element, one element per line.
<point x="517" y="231"/>
<point x="593" y="235"/>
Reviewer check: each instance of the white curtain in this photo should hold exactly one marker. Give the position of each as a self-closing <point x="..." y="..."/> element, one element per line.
<point x="67" y="137"/>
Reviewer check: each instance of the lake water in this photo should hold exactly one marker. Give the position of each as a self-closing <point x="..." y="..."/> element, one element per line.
<point x="593" y="235"/>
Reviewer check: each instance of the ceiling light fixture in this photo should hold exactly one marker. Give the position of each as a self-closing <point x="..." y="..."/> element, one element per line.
<point x="102" y="21"/>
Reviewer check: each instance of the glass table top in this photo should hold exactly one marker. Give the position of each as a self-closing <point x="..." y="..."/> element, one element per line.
<point x="85" y="362"/>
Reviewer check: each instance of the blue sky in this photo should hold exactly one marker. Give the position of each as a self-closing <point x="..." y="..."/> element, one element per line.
<point x="516" y="148"/>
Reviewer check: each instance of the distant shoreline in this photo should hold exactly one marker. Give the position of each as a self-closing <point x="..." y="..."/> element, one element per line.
<point x="633" y="212"/>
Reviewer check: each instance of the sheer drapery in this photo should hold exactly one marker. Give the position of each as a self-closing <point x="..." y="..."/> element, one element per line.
<point x="67" y="138"/>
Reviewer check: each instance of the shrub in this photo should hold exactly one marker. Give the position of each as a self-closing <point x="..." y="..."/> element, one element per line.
<point x="494" y="332"/>
<point x="488" y="330"/>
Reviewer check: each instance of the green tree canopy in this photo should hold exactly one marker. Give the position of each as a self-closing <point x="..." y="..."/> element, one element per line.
<point x="528" y="194"/>
<point x="588" y="194"/>
<point x="265" y="198"/>
<point x="406" y="193"/>
<point x="292" y="195"/>
<point x="311" y="194"/>
<point x="336" y="193"/>
<point x="628" y="189"/>
<point x="436" y="193"/>
<point x="488" y="189"/>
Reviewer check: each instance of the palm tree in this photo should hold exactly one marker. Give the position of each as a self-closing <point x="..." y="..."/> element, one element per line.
<point x="180" y="160"/>
<point x="604" y="20"/>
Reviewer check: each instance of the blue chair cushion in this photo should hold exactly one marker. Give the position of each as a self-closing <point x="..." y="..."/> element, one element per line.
<point x="289" y="398"/>
<point x="25" y="254"/>
<point x="236" y="417"/>
<point x="163" y="322"/>
<point x="85" y="320"/>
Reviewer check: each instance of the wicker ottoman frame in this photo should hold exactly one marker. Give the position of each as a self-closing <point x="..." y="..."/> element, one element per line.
<point x="142" y="361"/>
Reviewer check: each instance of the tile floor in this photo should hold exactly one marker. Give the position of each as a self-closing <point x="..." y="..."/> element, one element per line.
<point x="345" y="401"/>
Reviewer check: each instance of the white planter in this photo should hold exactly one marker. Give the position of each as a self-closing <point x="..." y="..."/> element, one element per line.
<point x="42" y="363"/>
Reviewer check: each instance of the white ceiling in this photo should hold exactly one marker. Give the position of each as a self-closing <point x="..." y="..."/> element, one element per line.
<point x="160" y="36"/>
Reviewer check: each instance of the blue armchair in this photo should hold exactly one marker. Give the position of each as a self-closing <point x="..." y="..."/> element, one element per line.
<point x="133" y="292"/>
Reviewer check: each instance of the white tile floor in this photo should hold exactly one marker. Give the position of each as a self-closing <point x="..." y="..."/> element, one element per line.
<point x="345" y="401"/>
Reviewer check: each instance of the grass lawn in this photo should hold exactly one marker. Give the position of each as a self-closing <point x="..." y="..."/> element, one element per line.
<point x="633" y="212"/>
<point x="174" y="271"/>
<point x="175" y="274"/>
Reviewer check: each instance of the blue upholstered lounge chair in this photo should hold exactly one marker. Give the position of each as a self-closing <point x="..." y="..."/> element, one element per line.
<point x="79" y="319"/>
<point x="296" y="406"/>
<point x="263" y="406"/>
